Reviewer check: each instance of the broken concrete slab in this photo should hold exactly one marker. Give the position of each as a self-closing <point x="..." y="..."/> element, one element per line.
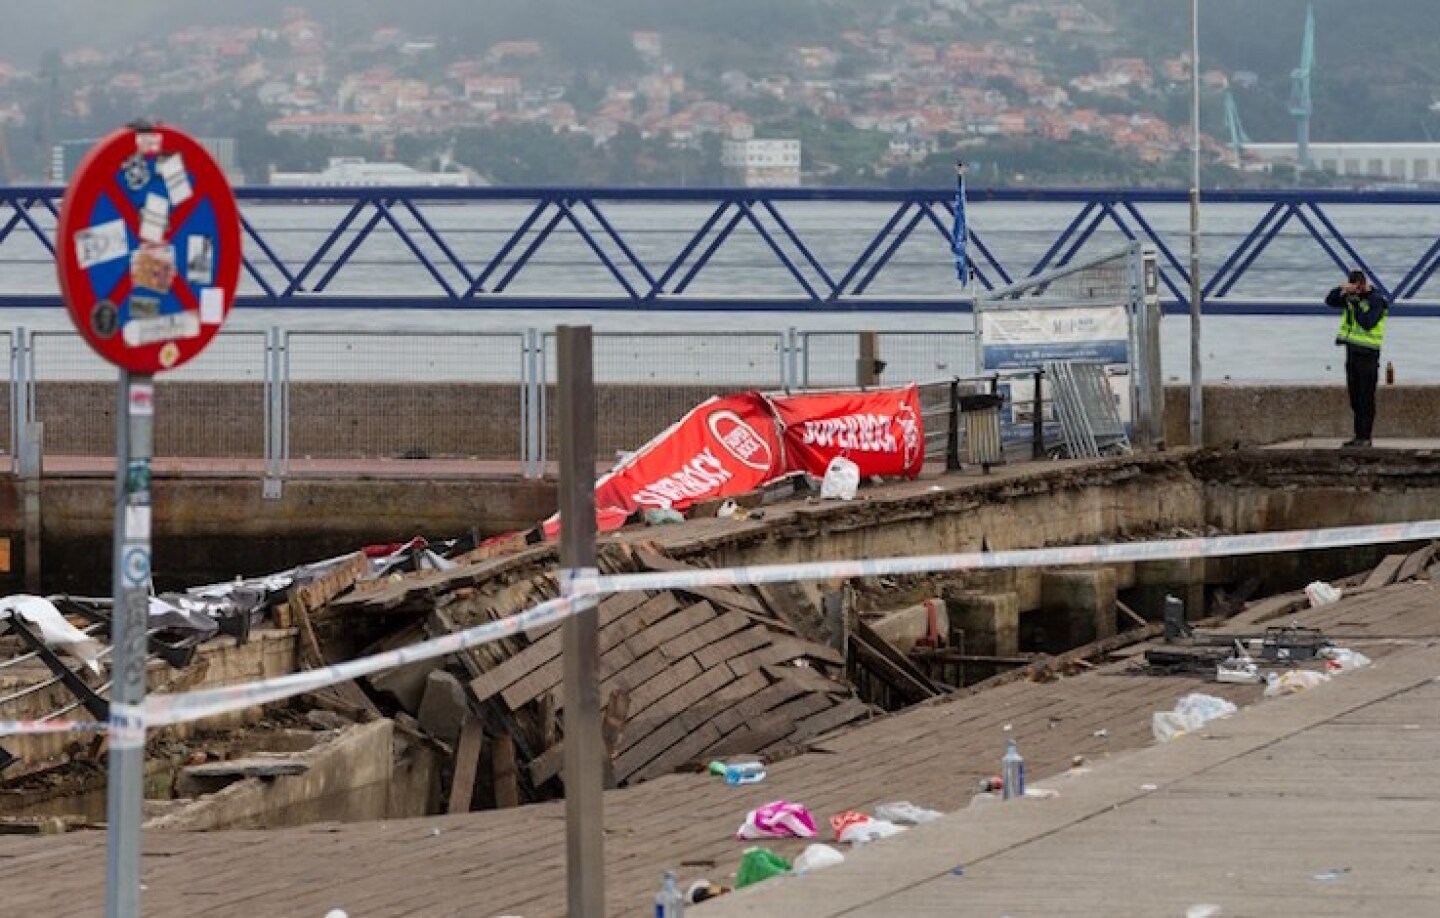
<point x="443" y="707"/>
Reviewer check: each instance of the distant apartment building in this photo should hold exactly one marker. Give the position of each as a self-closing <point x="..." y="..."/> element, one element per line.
<point x="761" y="163"/>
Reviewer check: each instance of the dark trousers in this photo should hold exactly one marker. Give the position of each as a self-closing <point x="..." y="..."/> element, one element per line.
<point x="1362" y="373"/>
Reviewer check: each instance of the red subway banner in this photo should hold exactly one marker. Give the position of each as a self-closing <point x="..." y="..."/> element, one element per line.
<point x="881" y="431"/>
<point x="726" y="446"/>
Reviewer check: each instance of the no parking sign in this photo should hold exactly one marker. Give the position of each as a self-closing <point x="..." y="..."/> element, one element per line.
<point x="148" y="248"/>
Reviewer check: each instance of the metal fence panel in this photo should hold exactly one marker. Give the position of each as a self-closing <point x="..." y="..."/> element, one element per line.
<point x="212" y="407"/>
<point x="408" y="395"/>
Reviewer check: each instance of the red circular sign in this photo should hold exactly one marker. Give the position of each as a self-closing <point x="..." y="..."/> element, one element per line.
<point x="148" y="248"/>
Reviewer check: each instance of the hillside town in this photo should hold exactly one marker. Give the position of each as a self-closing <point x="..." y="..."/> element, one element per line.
<point x="911" y="94"/>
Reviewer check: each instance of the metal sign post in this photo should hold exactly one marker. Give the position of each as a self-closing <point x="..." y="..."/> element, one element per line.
<point x="148" y="256"/>
<point x="584" y="747"/>
<point x="135" y="416"/>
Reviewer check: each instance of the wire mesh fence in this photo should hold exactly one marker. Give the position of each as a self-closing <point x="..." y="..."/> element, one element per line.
<point x="348" y="395"/>
<point x="830" y="359"/>
<point x="403" y="396"/>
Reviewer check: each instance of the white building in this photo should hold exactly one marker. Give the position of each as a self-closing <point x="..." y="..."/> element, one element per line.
<point x="1389" y="162"/>
<point x="351" y="172"/>
<point x="762" y="163"/>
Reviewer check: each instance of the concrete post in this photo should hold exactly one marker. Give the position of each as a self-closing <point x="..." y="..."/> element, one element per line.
<point x="990" y="621"/>
<point x="1184" y="578"/>
<point x="1077" y="606"/>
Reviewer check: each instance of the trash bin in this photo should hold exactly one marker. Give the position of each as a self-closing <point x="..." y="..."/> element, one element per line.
<point x="981" y="416"/>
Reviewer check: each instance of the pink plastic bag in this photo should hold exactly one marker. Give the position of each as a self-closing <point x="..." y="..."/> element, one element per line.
<point x="780" y="819"/>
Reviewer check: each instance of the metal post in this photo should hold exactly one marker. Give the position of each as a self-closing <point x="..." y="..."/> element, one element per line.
<point x="135" y="417"/>
<point x="1037" y="418"/>
<point x="584" y="747"/>
<point x="952" y="432"/>
<point x="869" y="366"/>
<point x="271" y="489"/>
<point x="1197" y="432"/>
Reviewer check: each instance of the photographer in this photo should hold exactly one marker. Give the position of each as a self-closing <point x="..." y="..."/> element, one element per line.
<point x="1362" y="331"/>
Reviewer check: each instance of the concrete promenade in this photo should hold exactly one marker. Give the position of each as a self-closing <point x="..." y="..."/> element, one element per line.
<point x="1243" y="816"/>
<point x="1322" y="803"/>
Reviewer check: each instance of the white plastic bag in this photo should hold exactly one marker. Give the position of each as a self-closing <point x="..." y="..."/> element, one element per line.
<point x="1168" y="725"/>
<point x="1321" y="593"/>
<point x="1296" y="680"/>
<point x="862" y="832"/>
<point x="842" y="480"/>
<point x="1343" y="659"/>
<point x="817" y="857"/>
<point x="906" y="813"/>
<point x="1191" y="713"/>
<point x="1204" y="707"/>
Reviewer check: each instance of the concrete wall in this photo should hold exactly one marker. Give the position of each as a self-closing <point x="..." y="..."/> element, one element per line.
<point x="351" y="778"/>
<point x="218" y="662"/>
<point x="215" y="527"/>
<point x="1258" y="414"/>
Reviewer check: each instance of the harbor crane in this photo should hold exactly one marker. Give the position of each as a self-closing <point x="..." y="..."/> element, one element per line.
<point x="1238" y="137"/>
<point x="1300" y="106"/>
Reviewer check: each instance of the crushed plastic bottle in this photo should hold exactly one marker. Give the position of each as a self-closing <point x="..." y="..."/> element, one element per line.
<point x="669" y="901"/>
<point x="740" y="773"/>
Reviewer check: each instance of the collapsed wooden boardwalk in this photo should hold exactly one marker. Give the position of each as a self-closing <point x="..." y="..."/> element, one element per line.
<point x="511" y="862"/>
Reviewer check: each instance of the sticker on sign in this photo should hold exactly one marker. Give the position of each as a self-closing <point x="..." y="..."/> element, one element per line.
<point x="101" y="243"/>
<point x="138" y="332"/>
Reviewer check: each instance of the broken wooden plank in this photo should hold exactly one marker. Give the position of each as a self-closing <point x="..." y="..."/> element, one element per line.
<point x="1131" y="614"/>
<point x="247" y="768"/>
<point x="547" y="764"/>
<point x="806" y="678"/>
<point x="874" y="641"/>
<point x="883" y="668"/>
<point x="547" y="649"/>
<point x="318" y="593"/>
<point x="467" y="764"/>
<point x="681" y="699"/>
<point x="845" y="712"/>
<point x="1415" y="562"/>
<point x="1383" y="574"/>
<point x="506" y="777"/>
<point x="752" y="638"/>
<point x="706" y="634"/>
<point x="671" y="678"/>
<point x="725" y="597"/>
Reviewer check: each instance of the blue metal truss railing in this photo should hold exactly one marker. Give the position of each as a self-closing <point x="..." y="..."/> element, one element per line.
<point x="1265" y="252"/>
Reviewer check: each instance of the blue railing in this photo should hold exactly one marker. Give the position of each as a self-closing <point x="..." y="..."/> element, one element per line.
<point x="827" y="250"/>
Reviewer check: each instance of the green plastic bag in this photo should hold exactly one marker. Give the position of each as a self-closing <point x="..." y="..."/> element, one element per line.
<point x="760" y="864"/>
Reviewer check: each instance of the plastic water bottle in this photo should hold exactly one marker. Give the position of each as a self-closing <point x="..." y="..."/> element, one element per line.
<point x="742" y="773"/>
<point x="1012" y="772"/>
<point x="669" y="901"/>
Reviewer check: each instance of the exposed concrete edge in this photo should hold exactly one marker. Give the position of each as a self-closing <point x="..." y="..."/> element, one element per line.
<point x="877" y="871"/>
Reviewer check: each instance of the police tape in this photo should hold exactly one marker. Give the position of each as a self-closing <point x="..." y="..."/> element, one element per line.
<point x="581" y="583"/>
<point x="33" y="727"/>
<point x="166" y="709"/>
<point x="581" y="589"/>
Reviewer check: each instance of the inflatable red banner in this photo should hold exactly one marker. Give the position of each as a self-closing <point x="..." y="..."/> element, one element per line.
<point x="880" y="431"/>
<point x="726" y="446"/>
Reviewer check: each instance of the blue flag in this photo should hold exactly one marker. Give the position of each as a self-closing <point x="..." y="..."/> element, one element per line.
<point x="959" y="234"/>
